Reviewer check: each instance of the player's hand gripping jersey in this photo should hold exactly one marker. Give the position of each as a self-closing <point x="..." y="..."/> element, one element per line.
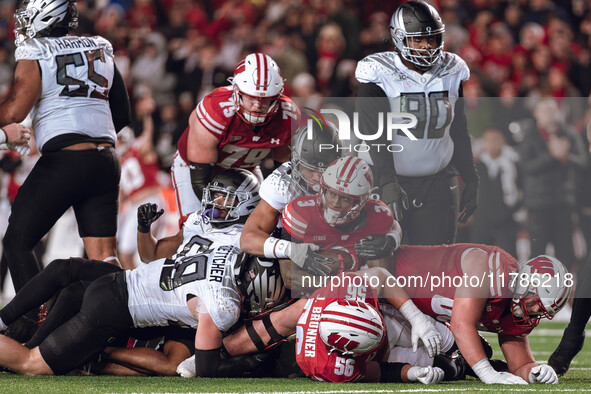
<point x="314" y="358"/>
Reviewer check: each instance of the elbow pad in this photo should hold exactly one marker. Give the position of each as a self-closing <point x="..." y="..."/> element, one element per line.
<point x="207" y="362"/>
<point x="200" y="176"/>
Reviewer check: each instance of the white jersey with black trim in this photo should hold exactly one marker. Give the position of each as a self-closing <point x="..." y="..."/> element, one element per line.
<point x="159" y="291"/>
<point x="431" y="97"/>
<point x="277" y="189"/>
<point x="76" y="76"/>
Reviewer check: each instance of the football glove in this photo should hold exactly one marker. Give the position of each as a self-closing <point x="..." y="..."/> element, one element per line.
<point x="544" y="374"/>
<point x="376" y="246"/>
<point x="187" y="368"/>
<point x="487" y="374"/>
<point x="146" y="215"/>
<point x="395" y="197"/>
<point x="23" y="149"/>
<point x="469" y="201"/>
<point x="422" y="329"/>
<point x="304" y="257"/>
<point x="425" y="375"/>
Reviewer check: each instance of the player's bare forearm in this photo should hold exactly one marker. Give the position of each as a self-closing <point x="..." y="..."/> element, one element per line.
<point x="24" y="92"/>
<point x="151" y="249"/>
<point x="260" y="224"/>
<point x="144" y="360"/>
<point x="517" y="352"/>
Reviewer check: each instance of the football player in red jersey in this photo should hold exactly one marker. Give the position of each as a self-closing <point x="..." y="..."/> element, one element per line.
<point x="341" y="215"/>
<point x="234" y="126"/>
<point x="341" y="330"/>
<point x="487" y="290"/>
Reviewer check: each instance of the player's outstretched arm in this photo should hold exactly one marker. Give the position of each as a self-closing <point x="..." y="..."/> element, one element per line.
<point x="469" y="303"/>
<point x="202" y="153"/>
<point x="261" y="222"/>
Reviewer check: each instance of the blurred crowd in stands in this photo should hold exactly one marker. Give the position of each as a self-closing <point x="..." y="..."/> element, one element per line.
<point x="173" y="52"/>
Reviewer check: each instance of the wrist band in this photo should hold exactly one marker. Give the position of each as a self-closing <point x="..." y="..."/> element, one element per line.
<point x="275" y="248"/>
<point x="3" y="136"/>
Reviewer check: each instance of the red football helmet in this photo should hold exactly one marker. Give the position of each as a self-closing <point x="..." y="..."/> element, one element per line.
<point x="539" y="285"/>
<point x="351" y="327"/>
<point x="257" y="79"/>
<point x="351" y="179"/>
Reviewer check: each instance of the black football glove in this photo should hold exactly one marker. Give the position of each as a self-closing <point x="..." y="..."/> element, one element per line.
<point x="303" y="256"/>
<point x="146" y="215"/>
<point x="469" y="201"/>
<point x="395" y="197"/>
<point x="375" y="246"/>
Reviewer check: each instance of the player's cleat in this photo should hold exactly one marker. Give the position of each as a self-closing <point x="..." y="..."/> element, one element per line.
<point x="567" y="349"/>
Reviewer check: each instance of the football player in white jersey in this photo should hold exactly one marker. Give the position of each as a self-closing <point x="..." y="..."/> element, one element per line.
<point x="198" y="284"/>
<point x="78" y="101"/>
<point x="298" y="177"/>
<point x="419" y="78"/>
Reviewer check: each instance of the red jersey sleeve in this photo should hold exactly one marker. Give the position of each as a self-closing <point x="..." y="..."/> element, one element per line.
<point x="216" y="110"/>
<point x="294" y="216"/>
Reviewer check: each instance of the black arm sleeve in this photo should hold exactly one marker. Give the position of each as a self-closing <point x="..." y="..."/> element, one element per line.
<point x="391" y="372"/>
<point x="207" y="362"/>
<point x="371" y="100"/>
<point x="200" y="176"/>
<point x="462" y="159"/>
<point x="119" y="102"/>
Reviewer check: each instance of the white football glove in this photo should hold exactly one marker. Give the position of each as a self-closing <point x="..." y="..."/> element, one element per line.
<point x="488" y="375"/>
<point x="544" y="374"/>
<point x="298" y="252"/>
<point x="425" y="375"/>
<point x="422" y="329"/>
<point x="23" y="150"/>
<point x="187" y="368"/>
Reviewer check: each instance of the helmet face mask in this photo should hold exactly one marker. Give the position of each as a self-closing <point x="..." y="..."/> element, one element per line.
<point x="257" y="79"/>
<point x="312" y="154"/>
<point x="230" y="196"/>
<point x="539" y="290"/>
<point x="260" y="282"/>
<point x="344" y="189"/>
<point x="415" y="21"/>
<point x="41" y="18"/>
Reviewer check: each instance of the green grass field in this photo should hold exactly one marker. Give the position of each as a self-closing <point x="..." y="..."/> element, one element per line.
<point x="543" y="343"/>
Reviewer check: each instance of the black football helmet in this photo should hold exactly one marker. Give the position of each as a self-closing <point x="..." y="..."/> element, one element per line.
<point x="45" y="18"/>
<point x="314" y="151"/>
<point x="417" y="18"/>
<point x="240" y="189"/>
<point x="260" y="282"/>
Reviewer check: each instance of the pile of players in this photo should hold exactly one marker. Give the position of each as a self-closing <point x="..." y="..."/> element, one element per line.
<point x="215" y="297"/>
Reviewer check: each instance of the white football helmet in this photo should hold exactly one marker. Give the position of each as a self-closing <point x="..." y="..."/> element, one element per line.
<point x="39" y="18"/>
<point x="540" y="281"/>
<point x="417" y="19"/>
<point x="236" y="191"/>
<point x="351" y="327"/>
<point x="258" y="78"/>
<point x="351" y="179"/>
